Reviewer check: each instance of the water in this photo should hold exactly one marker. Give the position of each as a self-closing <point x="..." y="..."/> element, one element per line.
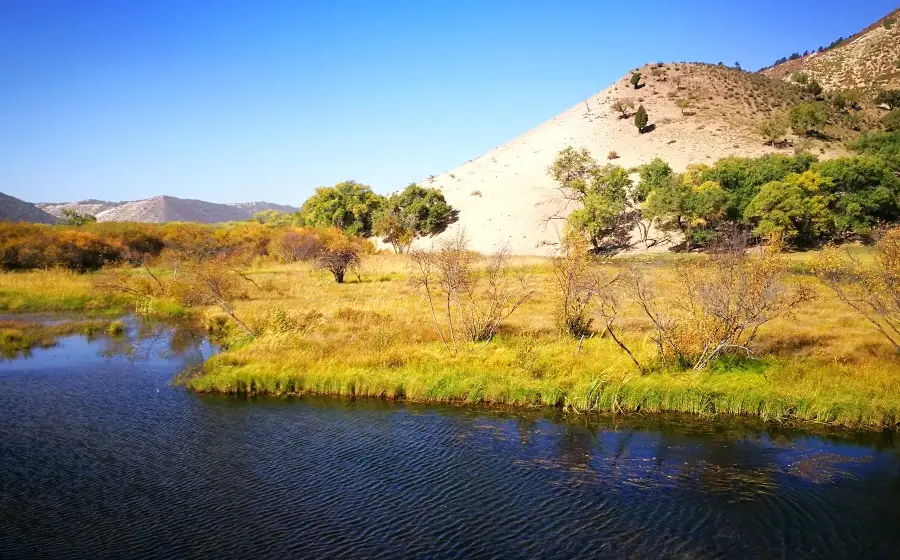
<point x="99" y="457"/>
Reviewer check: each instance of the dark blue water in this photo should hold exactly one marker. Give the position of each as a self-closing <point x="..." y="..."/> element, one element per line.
<point x="99" y="457"/>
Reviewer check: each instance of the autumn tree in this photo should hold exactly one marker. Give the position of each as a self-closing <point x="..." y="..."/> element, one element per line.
<point x="468" y="295"/>
<point x="873" y="291"/>
<point x="716" y="307"/>
<point x="795" y="209"/>
<point x="339" y="253"/>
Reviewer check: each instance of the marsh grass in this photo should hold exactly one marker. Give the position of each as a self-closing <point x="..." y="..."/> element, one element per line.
<point x="20" y="337"/>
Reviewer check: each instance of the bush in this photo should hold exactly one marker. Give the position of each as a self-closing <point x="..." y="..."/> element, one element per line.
<point x="890" y="97"/>
<point x="472" y="303"/>
<point x="773" y="130"/>
<point x="891" y="121"/>
<point x="622" y="106"/>
<point x="808" y="118"/>
<point x="873" y="291"/>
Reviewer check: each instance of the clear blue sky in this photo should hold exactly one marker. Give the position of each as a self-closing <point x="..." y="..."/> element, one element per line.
<point x="231" y="101"/>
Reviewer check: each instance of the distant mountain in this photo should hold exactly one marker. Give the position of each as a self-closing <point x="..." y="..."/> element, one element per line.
<point x="14" y="210"/>
<point x="868" y="61"/>
<point x="161" y="209"/>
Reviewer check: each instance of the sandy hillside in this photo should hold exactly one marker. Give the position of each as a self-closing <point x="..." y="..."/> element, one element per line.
<point x="506" y="196"/>
<point x="868" y="61"/>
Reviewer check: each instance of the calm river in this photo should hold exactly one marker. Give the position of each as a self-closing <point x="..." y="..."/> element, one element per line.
<point x="99" y="457"/>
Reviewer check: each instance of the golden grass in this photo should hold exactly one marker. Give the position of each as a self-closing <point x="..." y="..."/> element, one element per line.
<point x="374" y="338"/>
<point x="51" y="290"/>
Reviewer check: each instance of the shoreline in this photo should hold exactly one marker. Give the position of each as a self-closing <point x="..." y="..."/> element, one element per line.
<point x="707" y="396"/>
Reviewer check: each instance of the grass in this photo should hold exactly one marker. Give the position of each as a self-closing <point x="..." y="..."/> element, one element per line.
<point x="54" y="291"/>
<point x="19" y="337"/>
<point x="374" y="338"/>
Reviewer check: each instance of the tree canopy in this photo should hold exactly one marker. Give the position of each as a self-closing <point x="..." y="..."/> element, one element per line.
<point x="349" y="206"/>
<point x="412" y="213"/>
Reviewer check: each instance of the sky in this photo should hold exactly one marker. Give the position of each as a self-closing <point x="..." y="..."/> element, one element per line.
<point x="259" y="100"/>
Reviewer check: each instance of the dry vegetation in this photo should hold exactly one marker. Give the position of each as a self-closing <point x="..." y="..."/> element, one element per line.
<point x="375" y="337"/>
<point x="868" y="61"/>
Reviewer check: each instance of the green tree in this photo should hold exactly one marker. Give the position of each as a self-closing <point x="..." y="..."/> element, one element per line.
<point x="636" y="79"/>
<point x="600" y="192"/>
<point x="273" y="218"/>
<point x="865" y="192"/>
<point x="773" y="130"/>
<point x="687" y="203"/>
<point x="653" y="175"/>
<point x="349" y="206"/>
<point x="890" y="97"/>
<point x="414" y="212"/>
<point x="641" y="118"/>
<point x="795" y="209"/>
<point x="73" y="218"/>
<point x="813" y="87"/>
<point x="807" y="118"/>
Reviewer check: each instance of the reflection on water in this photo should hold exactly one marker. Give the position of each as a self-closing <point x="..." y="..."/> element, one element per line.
<point x="100" y="457"/>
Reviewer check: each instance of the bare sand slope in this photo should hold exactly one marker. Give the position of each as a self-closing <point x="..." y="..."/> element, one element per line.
<point x="506" y="195"/>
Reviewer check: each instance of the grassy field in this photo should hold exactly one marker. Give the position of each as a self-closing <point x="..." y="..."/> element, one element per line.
<point x="55" y="291"/>
<point x="373" y="337"/>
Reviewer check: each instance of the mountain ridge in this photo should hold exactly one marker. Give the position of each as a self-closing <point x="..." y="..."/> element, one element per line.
<point x="164" y="208"/>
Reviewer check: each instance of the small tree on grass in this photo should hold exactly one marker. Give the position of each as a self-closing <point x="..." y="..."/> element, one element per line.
<point x="717" y="307"/>
<point x="339" y="253"/>
<point x="636" y="79"/>
<point x="623" y="107"/>
<point x="641" y="119"/>
<point x="873" y="291"/>
<point x="469" y="296"/>
<point x="813" y="87"/>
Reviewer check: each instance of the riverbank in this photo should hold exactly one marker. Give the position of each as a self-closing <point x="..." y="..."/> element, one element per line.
<point x="373" y="337"/>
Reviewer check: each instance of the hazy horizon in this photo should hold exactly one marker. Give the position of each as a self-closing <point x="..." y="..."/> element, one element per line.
<point x="239" y="103"/>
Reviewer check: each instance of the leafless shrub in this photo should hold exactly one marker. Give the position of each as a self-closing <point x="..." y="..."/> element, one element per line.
<point x="717" y="306"/>
<point x="581" y="290"/>
<point x="468" y="304"/>
<point x="872" y="291"/>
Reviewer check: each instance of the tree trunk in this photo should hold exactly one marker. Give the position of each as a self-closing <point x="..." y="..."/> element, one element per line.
<point x="339" y="276"/>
